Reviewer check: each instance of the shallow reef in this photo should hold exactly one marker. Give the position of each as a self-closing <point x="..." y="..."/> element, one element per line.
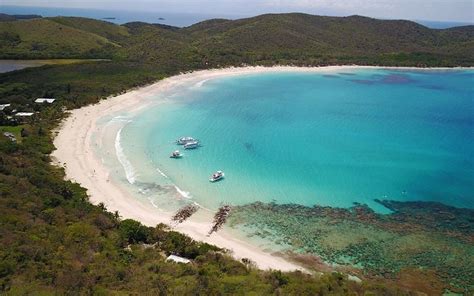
<point x="418" y="242"/>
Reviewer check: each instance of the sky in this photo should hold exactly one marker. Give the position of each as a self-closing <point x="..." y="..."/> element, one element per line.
<point x="433" y="10"/>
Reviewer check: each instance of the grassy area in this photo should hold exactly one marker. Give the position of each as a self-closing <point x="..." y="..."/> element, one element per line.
<point x="43" y="38"/>
<point x="100" y="28"/>
<point x="12" y="65"/>
<point x="16" y="130"/>
<point x="65" y="61"/>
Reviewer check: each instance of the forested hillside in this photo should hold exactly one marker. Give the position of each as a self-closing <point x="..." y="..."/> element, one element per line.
<point x="267" y="39"/>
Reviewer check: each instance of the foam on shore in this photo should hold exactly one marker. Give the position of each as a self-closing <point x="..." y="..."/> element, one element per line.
<point x="129" y="170"/>
<point x="183" y="193"/>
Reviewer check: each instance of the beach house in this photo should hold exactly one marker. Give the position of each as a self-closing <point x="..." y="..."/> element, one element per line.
<point x="178" y="259"/>
<point x="4" y="106"/>
<point x="44" y="100"/>
<point x="24" y="114"/>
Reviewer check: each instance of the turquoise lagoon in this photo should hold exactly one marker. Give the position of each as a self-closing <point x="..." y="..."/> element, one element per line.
<point x="309" y="138"/>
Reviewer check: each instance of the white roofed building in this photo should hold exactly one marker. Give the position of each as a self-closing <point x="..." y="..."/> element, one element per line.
<point x="178" y="259"/>
<point x="45" y="100"/>
<point x="24" y="114"/>
<point x="3" y="106"/>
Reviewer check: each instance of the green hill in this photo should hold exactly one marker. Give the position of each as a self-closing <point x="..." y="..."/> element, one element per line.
<point x="150" y="43"/>
<point x="104" y="29"/>
<point x="318" y="39"/>
<point x="267" y="39"/>
<point x="8" y="18"/>
<point x="45" y="38"/>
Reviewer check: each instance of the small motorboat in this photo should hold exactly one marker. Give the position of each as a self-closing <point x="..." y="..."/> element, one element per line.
<point x="219" y="175"/>
<point x="185" y="140"/>
<point x="191" y="145"/>
<point x="176" y="154"/>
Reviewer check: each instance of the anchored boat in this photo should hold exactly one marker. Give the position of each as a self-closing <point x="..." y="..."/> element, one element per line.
<point x="191" y="145"/>
<point x="176" y="154"/>
<point x="185" y="140"/>
<point x="219" y="175"/>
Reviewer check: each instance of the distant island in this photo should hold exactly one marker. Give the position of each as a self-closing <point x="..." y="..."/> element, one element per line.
<point x="108" y="18"/>
<point x="13" y="17"/>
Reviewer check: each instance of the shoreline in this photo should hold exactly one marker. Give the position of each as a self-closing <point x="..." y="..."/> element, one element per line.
<point x="75" y="152"/>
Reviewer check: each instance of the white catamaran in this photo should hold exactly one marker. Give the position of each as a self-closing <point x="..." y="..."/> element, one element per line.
<point x="191" y="145"/>
<point x="185" y="140"/>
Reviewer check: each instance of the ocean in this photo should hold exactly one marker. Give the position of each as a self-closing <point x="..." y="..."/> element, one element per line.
<point x="167" y="18"/>
<point x="331" y="139"/>
<point x="119" y="16"/>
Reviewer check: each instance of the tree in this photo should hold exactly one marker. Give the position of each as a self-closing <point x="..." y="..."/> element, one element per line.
<point x="133" y="231"/>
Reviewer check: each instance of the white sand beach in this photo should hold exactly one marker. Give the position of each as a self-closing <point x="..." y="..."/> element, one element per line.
<point x="75" y="151"/>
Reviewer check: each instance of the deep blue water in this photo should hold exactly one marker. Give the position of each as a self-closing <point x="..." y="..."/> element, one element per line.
<point x="168" y="18"/>
<point x="316" y="138"/>
<point x="119" y="16"/>
<point x="444" y="25"/>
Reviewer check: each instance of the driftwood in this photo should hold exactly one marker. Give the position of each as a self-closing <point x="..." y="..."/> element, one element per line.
<point x="220" y="218"/>
<point x="184" y="213"/>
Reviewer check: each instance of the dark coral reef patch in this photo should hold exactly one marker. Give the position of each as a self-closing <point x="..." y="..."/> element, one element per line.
<point x="425" y="238"/>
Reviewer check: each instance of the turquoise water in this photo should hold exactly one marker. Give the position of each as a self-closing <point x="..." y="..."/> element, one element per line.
<point x="314" y="138"/>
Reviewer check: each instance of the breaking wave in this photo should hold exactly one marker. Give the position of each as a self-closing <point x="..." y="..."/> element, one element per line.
<point x="201" y="83"/>
<point x="183" y="193"/>
<point x="130" y="173"/>
<point x="161" y="173"/>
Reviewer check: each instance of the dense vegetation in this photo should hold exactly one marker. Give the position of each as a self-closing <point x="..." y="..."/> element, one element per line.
<point x="14" y="17"/>
<point x="267" y="39"/>
<point x="54" y="241"/>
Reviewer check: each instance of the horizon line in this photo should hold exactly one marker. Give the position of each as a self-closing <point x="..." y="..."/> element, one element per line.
<point x="235" y="16"/>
